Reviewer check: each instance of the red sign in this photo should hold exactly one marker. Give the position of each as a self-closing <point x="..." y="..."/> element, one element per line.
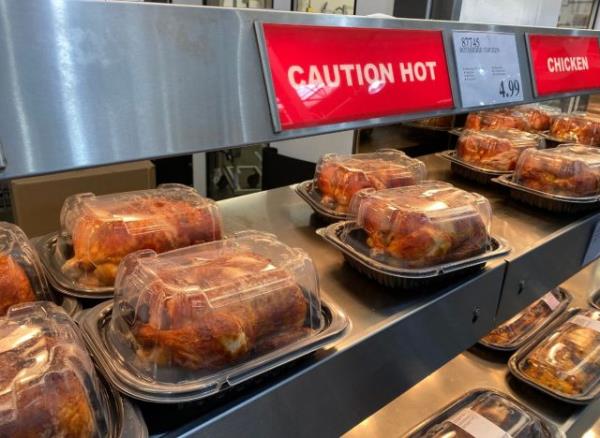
<point x="322" y="75"/>
<point x="564" y="64"/>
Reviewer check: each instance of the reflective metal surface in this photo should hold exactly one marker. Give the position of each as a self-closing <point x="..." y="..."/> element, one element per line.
<point x="85" y="83"/>
<point x="481" y="368"/>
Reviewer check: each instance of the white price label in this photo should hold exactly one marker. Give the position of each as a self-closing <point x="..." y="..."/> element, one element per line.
<point x="477" y="425"/>
<point x="488" y="68"/>
<point x="585" y="322"/>
<point x="593" y="249"/>
<point x="551" y="300"/>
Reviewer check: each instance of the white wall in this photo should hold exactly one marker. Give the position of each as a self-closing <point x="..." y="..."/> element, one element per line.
<point x="513" y="12"/>
<point x="366" y="7"/>
<point x="282" y="5"/>
<point x="311" y="148"/>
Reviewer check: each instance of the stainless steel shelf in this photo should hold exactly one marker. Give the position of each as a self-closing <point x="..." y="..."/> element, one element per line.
<point x="397" y="339"/>
<point x="478" y="368"/>
<point x="86" y="83"/>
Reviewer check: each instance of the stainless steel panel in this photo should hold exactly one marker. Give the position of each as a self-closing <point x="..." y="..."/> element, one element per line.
<point x="396" y="338"/>
<point x="85" y="83"/>
<point x="480" y="368"/>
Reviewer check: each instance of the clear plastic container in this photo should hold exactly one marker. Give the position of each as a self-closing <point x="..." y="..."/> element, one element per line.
<point x="485" y="413"/>
<point x="339" y="177"/>
<point x="197" y="312"/>
<point x="505" y="118"/>
<point x="513" y="333"/>
<point x="539" y="117"/>
<point x="104" y="229"/>
<point x="566" y="362"/>
<point x="567" y="170"/>
<point x="576" y="127"/>
<point x="421" y="225"/>
<point x="495" y="150"/>
<point x="48" y="384"/>
<point x="21" y="276"/>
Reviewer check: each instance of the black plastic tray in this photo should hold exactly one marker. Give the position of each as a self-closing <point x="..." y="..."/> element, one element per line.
<point x="546" y="201"/>
<point x="125" y="419"/>
<point x="407" y="278"/>
<point x="52" y="260"/>
<point x="312" y="198"/>
<point x="469" y="171"/>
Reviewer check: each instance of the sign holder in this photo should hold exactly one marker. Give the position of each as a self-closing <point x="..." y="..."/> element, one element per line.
<point x="481" y="59"/>
<point x="534" y="78"/>
<point x="321" y="75"/>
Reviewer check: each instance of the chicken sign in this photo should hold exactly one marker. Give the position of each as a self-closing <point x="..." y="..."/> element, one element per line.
<point x="319" y="75"/>
<point x="564" y="63"/>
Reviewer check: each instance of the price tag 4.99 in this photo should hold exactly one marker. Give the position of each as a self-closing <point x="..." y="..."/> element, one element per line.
<point x="488" y="68"/>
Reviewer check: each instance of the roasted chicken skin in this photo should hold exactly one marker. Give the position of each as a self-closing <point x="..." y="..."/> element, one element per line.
<point x="499" y="119"/>
<point x="338" y="181"/>
<point x="577" y="128"/>
<point x="15" y="287"/>
<point x="220" y="325"/>
<point x="43" y="392"/>
<point x="418" y="240"/>
<point x="488" y="152"/>
<point x="537" y="119"/>
<point x="156" y="223"/>
<point x="567" y="177"/>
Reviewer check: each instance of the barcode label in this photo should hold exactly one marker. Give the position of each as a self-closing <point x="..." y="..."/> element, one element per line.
<point x="477" y="425"/>
<point x="585" y="322"/>
<point x="551" y="300"/>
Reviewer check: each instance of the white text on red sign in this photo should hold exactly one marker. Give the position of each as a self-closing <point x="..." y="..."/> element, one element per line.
<point x="573" y="63"/>
<point x="349" y="75"/>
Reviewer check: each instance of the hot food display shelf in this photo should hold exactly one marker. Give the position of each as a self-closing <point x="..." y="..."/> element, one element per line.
<point x="397" y="338"/>
<point x="481" y="368"/>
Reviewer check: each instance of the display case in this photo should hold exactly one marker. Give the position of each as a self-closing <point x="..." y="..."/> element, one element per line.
<point x="148" y="101"/>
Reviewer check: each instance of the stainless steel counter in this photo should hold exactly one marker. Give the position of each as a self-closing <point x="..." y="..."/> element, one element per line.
<point x="478" y="368"/>
<point x="397" y="339"/>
